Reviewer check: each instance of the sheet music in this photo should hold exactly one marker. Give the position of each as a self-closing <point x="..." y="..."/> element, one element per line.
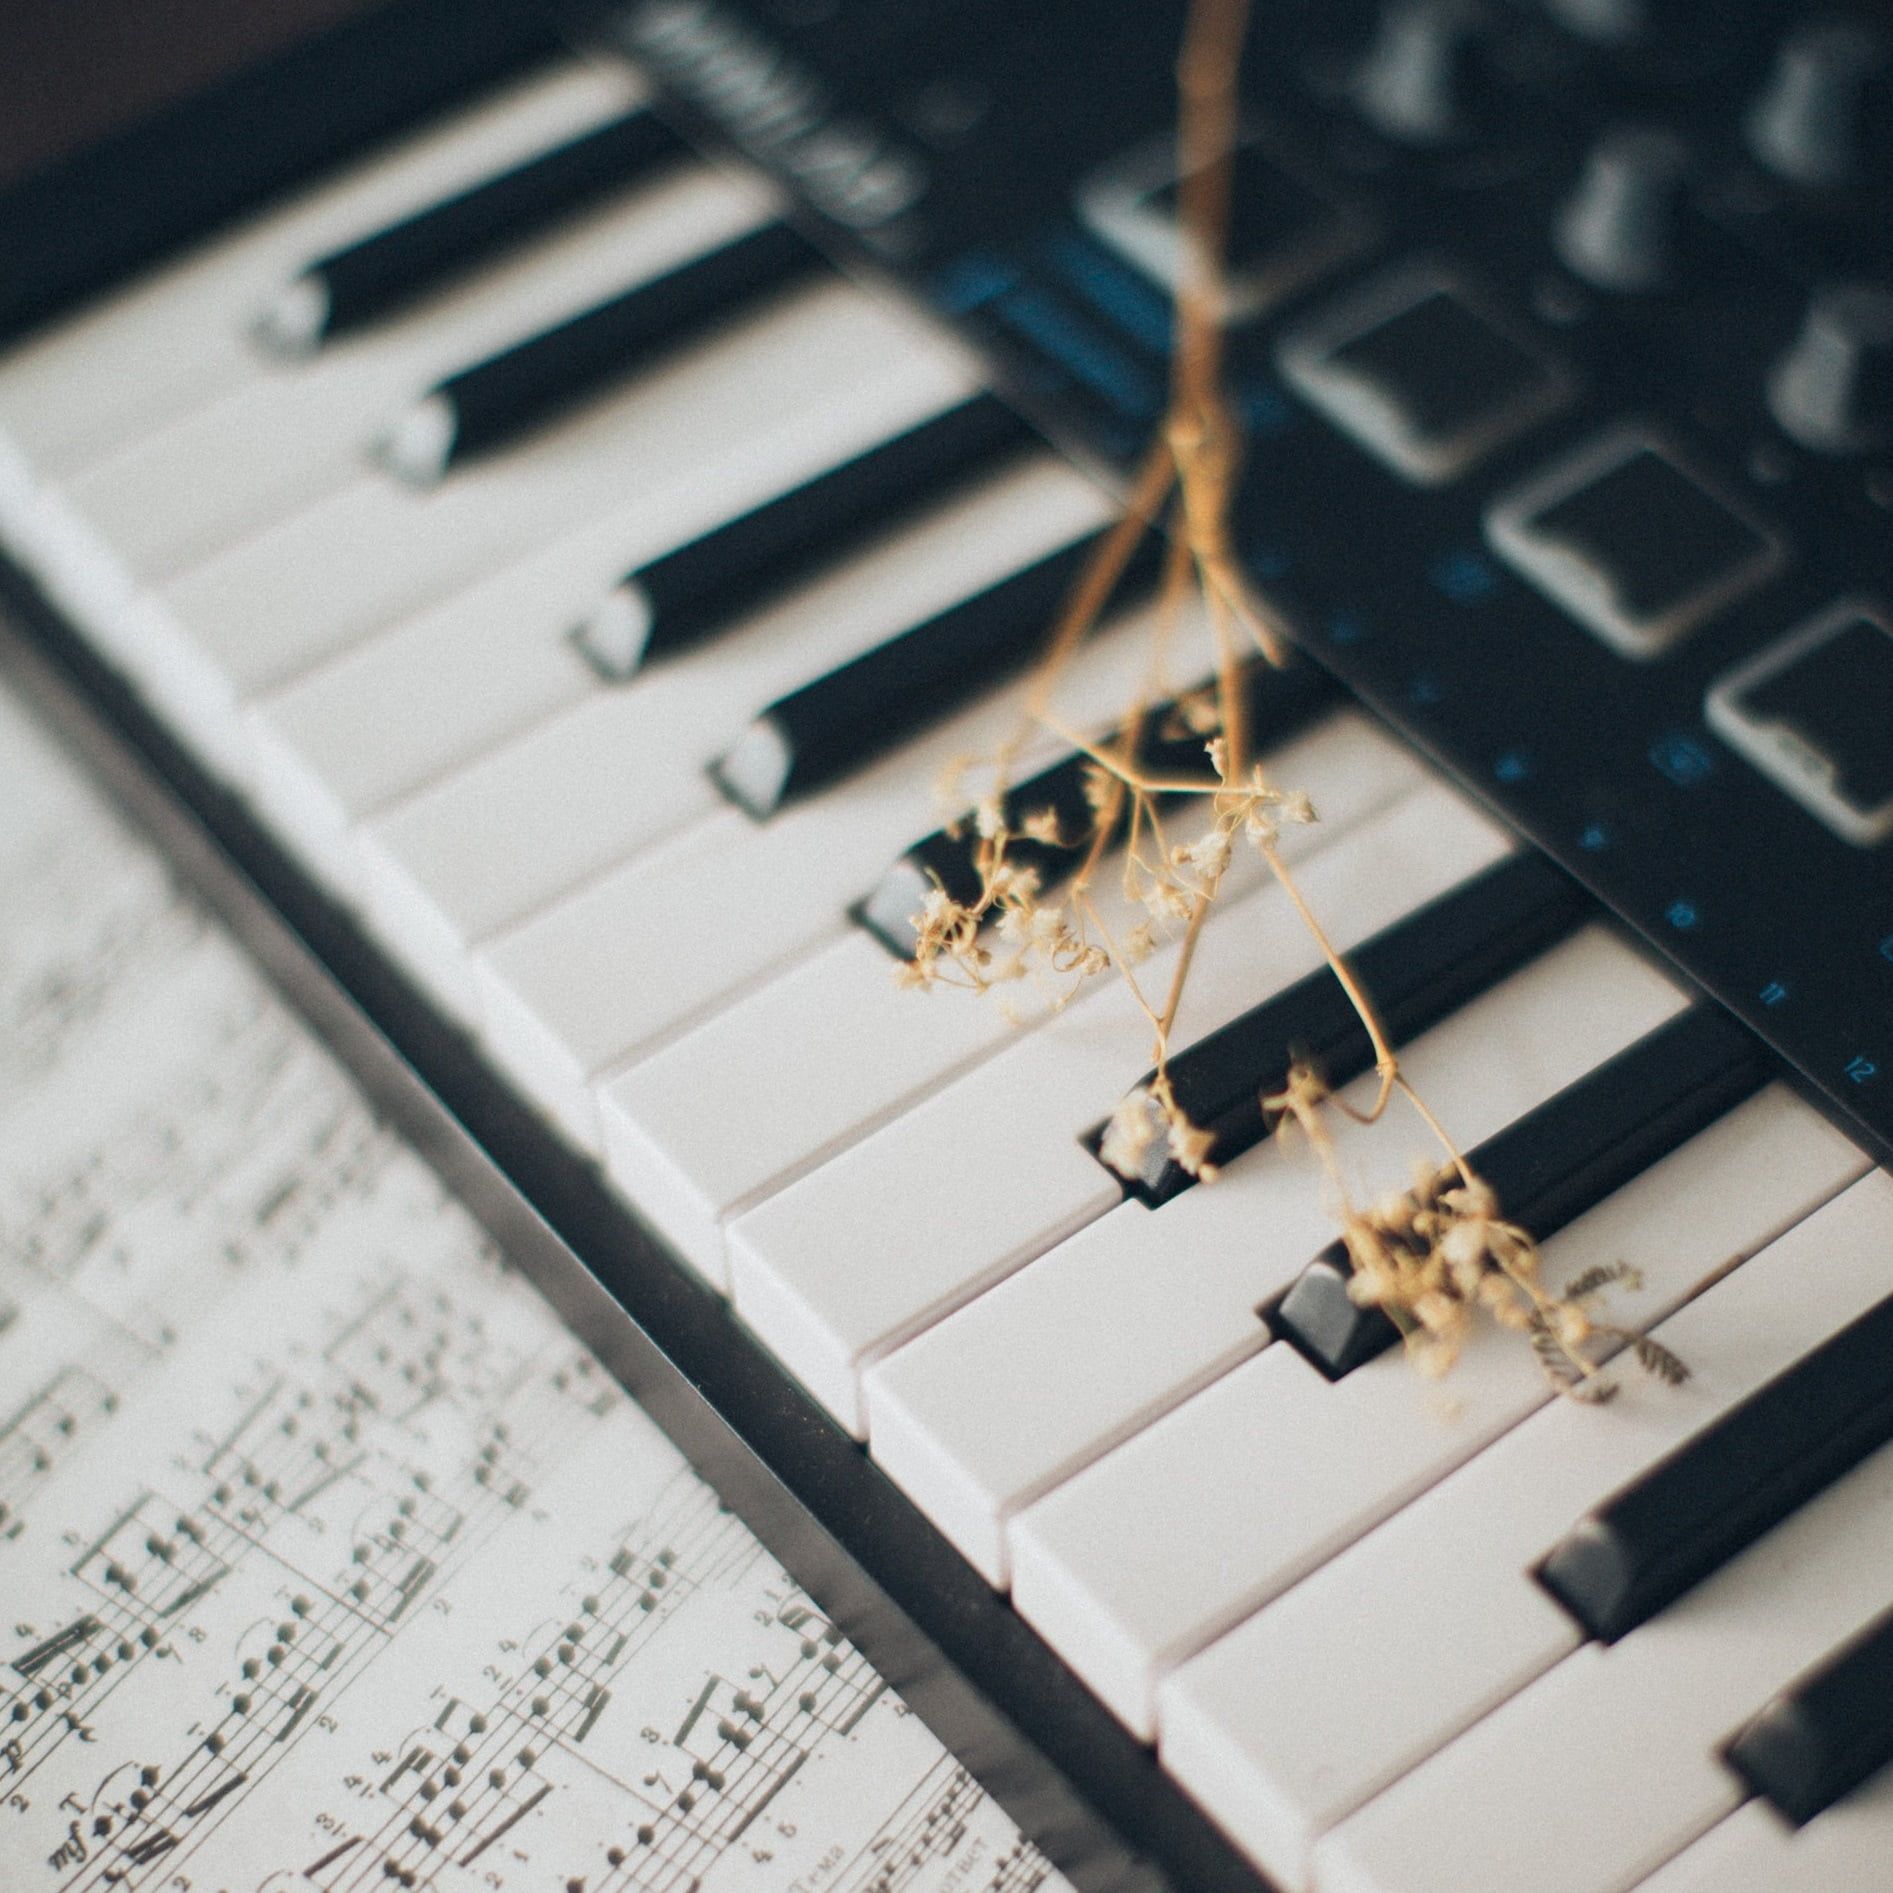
<point x="328" y="1560"/>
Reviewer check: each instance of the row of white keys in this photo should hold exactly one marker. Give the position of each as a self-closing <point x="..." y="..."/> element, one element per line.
<point x="1607" y="1766"/>
<point x="1230" y="1498"/>
<point x="1846" y="1849"/>
<point x="208" y="643"/>
<point x="1090" y="1343"/>
<point x="285" y="437"/>
<point x="177" y="338"/>
<point x="511" y="833"/>
<point x="432" y="693"/>
<point x="1295" y="1719"/>
<point x="713" y="1123"/>
<point x="585" y="986"/>
<point x="975" y="1181"/>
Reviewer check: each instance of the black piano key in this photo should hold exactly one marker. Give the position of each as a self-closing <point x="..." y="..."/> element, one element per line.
<point x="855" y="713"/>
<point x="1715" y="1495"/>
<point x="1281" y="703"/>
<point x="1826" y="1732"/>
<point x="1556" y="1162"/>
<point x="493" y="401"/>
<point x="1416" y="972"/>
<point x="687" y="595"/>
<point x="406" y="260"/>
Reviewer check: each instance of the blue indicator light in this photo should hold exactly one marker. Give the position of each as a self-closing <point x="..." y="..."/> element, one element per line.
<point x="1464" y="577"/>
<point x="1513" y="766"/>
<point x="1269" y="561"/>
<point x="1683" y="760"/>
<point x="1681" y="915"/>
<point x="971" y="281"/>
<point x="1861" y="1070"/>
<point x="1083" y="356"/>
<point x="1886" y="947"/>
<point x="1594" y="838"/>
<point x="1345" y="628"/>
<point x="1126" y="299"/>
<point x="1774" y="993"/>
<point x="1425" y="690"/>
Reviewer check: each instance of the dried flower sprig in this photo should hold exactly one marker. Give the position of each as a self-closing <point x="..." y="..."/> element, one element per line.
<point x="1437" y="1255"/>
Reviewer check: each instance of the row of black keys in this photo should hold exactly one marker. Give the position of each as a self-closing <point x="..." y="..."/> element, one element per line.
<point x="1710" y="1498"/>
<point x="1649" y="1543"/>
<point x="842" y="720"/>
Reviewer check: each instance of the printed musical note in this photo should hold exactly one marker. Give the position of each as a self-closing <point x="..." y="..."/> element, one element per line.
<point x="331" y="1561"/>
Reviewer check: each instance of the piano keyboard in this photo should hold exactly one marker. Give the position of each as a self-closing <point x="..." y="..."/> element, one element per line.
<point x="588" y="583"/>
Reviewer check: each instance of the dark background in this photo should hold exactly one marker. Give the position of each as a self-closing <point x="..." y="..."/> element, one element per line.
<point x="73" y="70"/>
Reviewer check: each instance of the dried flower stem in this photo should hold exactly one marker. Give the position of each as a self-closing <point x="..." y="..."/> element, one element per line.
<point x="1436" y="1253"/>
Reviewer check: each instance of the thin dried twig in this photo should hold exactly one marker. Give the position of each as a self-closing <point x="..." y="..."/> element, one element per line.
<point x="1439" y="1253"/>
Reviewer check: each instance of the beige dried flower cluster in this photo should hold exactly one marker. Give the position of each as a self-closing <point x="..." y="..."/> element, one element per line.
<point x="1439" y="1254"/>
<point x="1435" y="1256"/>
<point x="1014" y="930"/>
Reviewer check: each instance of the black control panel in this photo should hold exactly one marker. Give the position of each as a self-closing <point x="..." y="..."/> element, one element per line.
<point x="1563" y="339"/>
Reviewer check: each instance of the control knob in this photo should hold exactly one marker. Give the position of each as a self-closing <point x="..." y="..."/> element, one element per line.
<point x="1833" y="390"/>
<point x="1618" y="229"/>
<point x="1808" y="122"/>
<point x="1410" y="83"/>
<point x="1603" y="22"/>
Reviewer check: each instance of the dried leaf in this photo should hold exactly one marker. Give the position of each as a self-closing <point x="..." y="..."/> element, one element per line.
<point x="1657" y="1360"/>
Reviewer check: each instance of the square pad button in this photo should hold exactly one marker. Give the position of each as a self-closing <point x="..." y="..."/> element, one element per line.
<point x="1815" y="712"/>
<point x="1632" y="543"/>
<point x="1421" y="375"/>
<point x="1284" y="228"/>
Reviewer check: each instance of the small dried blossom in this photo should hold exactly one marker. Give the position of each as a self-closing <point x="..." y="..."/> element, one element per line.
<point x="1439" y="1255"/>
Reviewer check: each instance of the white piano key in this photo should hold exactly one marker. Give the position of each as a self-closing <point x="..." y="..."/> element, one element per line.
<point x="179" y="337"/>
<point x="1847" y="1849"/>
<point x="589" y="983"/>
<point x="706" y="1128"/>
<point x="724" y="1117"/>
<point x="269" y="610"/>
<point x="1607" y="1767"/>
<point x="281" y="440"/>
<point x="505" y="837"/>
<point x="429" y="695"/>
<point x="1292" y="1721"/>
<point x="1226" y="1501"/>
<point x="1094" y="1340"/>
<point x="898" y="1231"/>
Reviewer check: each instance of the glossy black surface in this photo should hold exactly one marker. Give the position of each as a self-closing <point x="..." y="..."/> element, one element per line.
<point x="1715" y="1495"/>
<point x="698" y="588"/>
<point x="1826" y="1732"/>
<point x="496" y="400"/>
<point x="385" y="271"/>
<point x="861" y="709"/>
